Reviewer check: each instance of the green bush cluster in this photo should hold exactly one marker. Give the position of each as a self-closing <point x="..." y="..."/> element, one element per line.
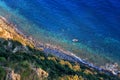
<point x="2" y="73"/>
<point x="58" y="69"/>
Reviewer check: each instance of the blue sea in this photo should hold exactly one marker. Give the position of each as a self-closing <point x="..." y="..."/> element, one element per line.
<point x="94" y="23"/>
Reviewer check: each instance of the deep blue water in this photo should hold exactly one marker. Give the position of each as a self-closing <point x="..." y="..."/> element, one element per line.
<point x="95" y="23"/>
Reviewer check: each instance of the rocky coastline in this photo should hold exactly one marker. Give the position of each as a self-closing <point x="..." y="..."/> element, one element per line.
<point x="54" y="50"/>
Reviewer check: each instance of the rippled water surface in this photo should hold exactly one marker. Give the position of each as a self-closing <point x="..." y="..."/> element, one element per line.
<point x="95" y="23"/>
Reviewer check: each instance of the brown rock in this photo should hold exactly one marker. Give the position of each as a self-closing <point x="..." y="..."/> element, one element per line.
<point x="13" y="76"/>
<point x="40" y="73"/>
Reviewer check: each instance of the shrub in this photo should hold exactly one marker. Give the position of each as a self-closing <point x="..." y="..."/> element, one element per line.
<point x="66" y="63"/>
<point x="25" y="64"/>
<point x="52" y="58"/>
<point x="88" y="71"/>
<point x="2" y="73"/>
<point x="2" y="59"/>
<point x="76" y="67"/>
<point x="42" y="58"/>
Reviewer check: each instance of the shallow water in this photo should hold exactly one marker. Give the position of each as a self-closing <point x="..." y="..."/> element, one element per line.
<point x="94" y="23"/>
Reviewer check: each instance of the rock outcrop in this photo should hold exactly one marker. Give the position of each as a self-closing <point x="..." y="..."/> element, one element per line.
<point x="40" y="73"/>
<point x="13" y="76"/>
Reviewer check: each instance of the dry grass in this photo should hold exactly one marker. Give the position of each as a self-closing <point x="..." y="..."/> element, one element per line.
<point x="8" y="31"/>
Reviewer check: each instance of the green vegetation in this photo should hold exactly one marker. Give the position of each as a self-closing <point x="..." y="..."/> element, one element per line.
<point x="58" y="69"/>
<point x="2" y="73"/>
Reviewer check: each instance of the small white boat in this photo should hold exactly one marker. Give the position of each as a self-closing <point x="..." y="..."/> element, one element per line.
<point x="75" y="40"/>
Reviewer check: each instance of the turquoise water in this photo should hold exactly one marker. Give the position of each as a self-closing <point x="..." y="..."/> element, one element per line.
<point x="94" y="23"/>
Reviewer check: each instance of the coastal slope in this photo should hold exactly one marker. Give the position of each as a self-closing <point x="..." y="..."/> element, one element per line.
<point x="20" y="59"/>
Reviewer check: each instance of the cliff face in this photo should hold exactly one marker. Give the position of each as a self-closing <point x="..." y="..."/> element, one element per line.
<point x="8" y="31"/>
<point x="19" y="60"/>
<point x="4" y="33"/>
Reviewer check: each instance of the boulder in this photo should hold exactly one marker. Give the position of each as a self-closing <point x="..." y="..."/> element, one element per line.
<point x="40" y="73"/>
<point x="13" y="76"/>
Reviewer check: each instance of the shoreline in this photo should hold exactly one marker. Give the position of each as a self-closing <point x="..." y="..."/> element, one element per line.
<point x="56" y="50"/>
